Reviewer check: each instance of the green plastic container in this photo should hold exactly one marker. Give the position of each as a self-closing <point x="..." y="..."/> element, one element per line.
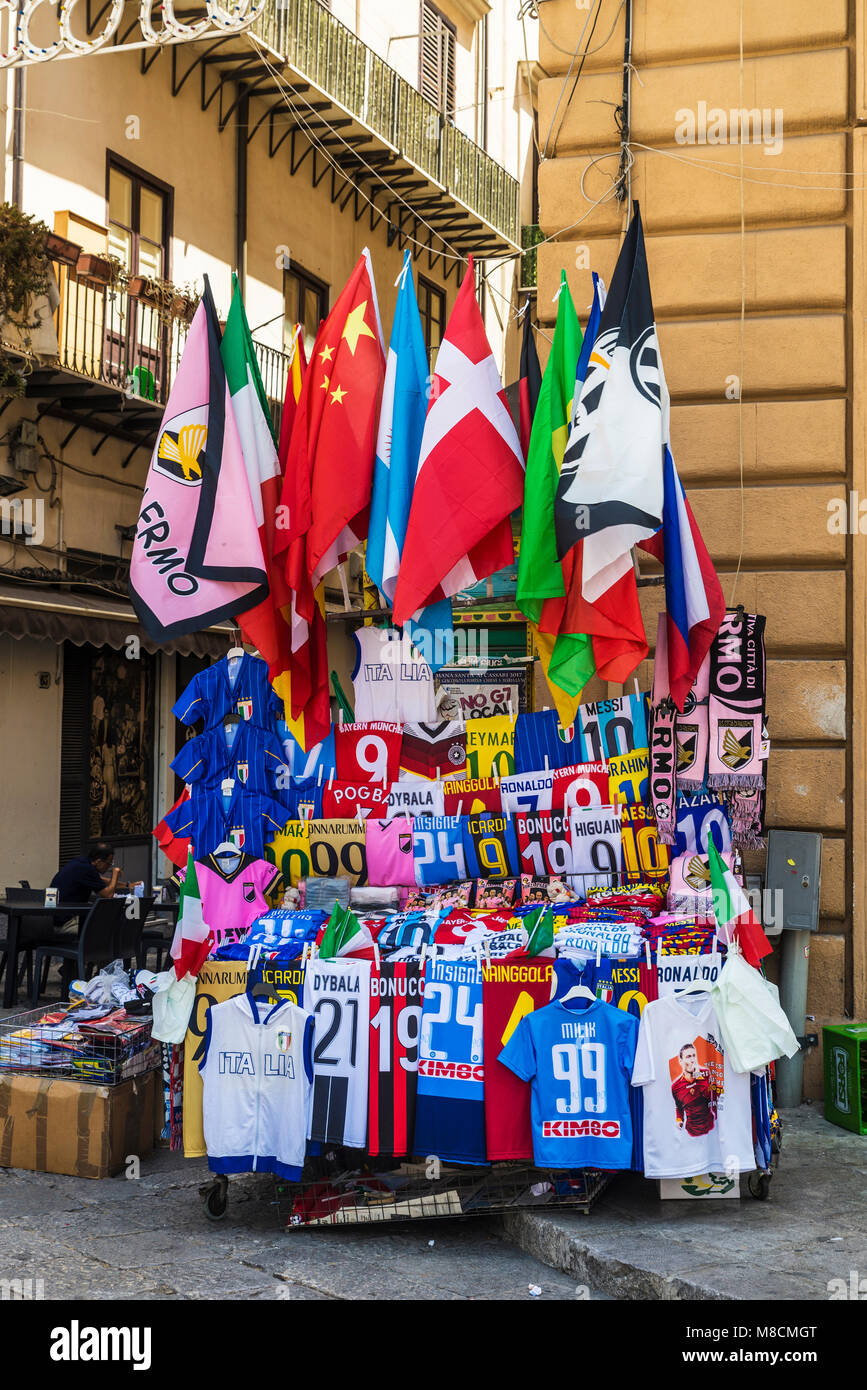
<point x="844" y="1046"/>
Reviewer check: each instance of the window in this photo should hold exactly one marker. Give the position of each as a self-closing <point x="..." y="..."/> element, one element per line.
<point x="306" y="302"/>
<point x="139" y="217"/>
<point x="436" y="59"/>
<point x="432" y="308"/>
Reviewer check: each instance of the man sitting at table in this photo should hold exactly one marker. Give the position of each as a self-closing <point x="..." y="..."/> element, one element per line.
<point x="91" y="873"/>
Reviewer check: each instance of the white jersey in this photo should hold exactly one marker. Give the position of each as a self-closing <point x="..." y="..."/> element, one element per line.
<point x="391" y="680"/>
<point x="337" y="993"/>
<point x="257" y="1075"/>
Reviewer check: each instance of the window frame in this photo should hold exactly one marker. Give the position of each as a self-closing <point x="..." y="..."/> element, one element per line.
<point x="156" y="185"/>
<point x="306" y="280"/>
<point x="446" y="103"/>
<point x="430" y="288"/>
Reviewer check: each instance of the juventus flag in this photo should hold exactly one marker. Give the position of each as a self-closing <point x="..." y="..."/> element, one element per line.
<point x="610" y="492"/>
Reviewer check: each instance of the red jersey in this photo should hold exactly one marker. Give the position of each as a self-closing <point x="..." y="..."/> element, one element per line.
<point x="396" y="993"/>
<point x="696" y="1103"/>
<point x="510" y="991"/>
<point x="368" y="752"/>
<point x="344" y="800"/>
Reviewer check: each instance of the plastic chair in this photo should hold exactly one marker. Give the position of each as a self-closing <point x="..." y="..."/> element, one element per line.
<point x="131" y="929"/>
<point x="95" y="945"/>
<point x="31" y="932"/>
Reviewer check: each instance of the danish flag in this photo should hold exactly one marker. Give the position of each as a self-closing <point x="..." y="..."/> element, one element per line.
<point x="470" y="474"/>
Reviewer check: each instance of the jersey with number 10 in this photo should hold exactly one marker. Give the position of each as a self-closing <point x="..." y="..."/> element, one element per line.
<point x="337" y="993"/>
<point x="450" y="1108"/>
<point x="395" y="1023"/>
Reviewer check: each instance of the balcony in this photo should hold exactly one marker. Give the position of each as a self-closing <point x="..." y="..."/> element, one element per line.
<point x="117" y="357"/>
<point x="364" y="123"/>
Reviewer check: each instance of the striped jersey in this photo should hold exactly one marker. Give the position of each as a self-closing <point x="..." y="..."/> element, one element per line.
<point x="245" y="819"/>
<point x="337" y="994"/>
<point x="396" y="992"/>
<point x="249" y="755"/>
<point x="238" y="686"/>
<point x="540" y="742"/>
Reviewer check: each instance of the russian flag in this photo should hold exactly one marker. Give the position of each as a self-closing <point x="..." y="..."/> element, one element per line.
<point x="693" y="597"/>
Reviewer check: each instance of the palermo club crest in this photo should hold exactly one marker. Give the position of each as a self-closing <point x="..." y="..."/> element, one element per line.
<point x="180" y="453"/>
<point x="697" y="874"/>
<point x="736" y="754"/>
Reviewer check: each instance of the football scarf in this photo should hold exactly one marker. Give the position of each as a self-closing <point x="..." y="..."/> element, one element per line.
<point x="746" y="809"/>
<point x="662" y="751"/>
<point x="692" y="733"/>
<point x="737" y="702"/>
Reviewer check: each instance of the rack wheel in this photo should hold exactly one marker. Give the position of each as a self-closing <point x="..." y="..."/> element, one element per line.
<point x="215" y="1199"/>
<point x="759" y="1185"/>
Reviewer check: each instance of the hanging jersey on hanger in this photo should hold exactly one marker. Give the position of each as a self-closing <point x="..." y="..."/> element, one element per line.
<point x="612" y="727"/>
<point x="388" y="844"/>
<point x="233" y="895"/>
<point x="239" y="686"/>
<point x="337" y="994"/>
<point x="390" y="679"/>
<point x="539" y="739"/>
<point x="249" y="755"/>
<point x="450" y="1107"/>
<point x="396" y="992"/>
<point x="245" y="819"/>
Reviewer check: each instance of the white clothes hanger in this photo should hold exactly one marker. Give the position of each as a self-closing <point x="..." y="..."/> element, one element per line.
<point x="578" y="992"/>
<point x="225" y="849"/>
<point x="694" y="987"/>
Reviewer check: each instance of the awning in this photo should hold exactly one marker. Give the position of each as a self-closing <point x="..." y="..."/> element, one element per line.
<point x="48" y="613"/>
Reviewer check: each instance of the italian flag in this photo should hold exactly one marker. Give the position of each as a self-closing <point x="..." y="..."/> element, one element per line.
<point x="733" y="912"/>
<point x="192" y="939"/>
<point x="265" y="627"/>
<point x="539" y="926"/>
<point x="343" y="934"/>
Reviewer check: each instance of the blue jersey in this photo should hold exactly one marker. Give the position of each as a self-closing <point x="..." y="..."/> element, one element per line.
<point x="246" y="819"/>
<point x="609" y="727"/>
<point x="578" y="1057"/>
<point x="490" y="846"/>
<point x="700" y="816"/>
<point x="302" y="797"/>
<point x="239" y="686"/>
<point x="450" y="1108"/>
<point x="539" y="737"/>
<point x="437" y="850"/>
<point x="250" y="755"/>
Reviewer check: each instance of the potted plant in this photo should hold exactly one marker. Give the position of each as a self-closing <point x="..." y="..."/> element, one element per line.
<point x="94" y="269"/>
<point x="59" y="248"/>
<point x="141" y="288"/>
<point x="26" y="282"/>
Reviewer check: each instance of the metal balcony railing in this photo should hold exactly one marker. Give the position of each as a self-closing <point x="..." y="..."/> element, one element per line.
<point x="106" y="335"/>
<point x="325" y="52"/>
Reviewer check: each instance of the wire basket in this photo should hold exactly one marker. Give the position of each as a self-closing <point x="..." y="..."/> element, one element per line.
<point x="51" y="1042"/>
<point x="409" y="1192"/>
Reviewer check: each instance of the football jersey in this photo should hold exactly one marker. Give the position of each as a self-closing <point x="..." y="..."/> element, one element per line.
<point x="233" y="896"/>
<point x="401" y="929"/>
<point x="596" y="845"/>
<point x="629" y="777"/>
<point x="249" y="755"/>
<point x="391" y="680"/>
<point x="609" y="727"/>
<point x="396" y="992"/>
<point x="246" y="819"/>
<point x="351" y="799"/>
<point x="529" y="791"/>
<point x="290" y="851"/>
<point x="645" y="857"/>
<point x="480" y="794"/>
<point x="438" y="850"/>
<point x="490" y="746"/>
<point x="415" y="798"/>
<point x="450" y="1106"/>
<point x="434" y="750"/>
<point x="578" y="1058"/>
<point x="510" y="991"/>
<point x="698" y="817"/>
<point x="368" y="752"/>
<point x="238" y="686"/>
<point x="299" y="763"/>
<point x="541" y="743"/>
<point x="544" y="843"/>
<point x="490" y="846"/>
<point x="580" y="784"/>
<point x="388" y="846"/>
<point x="337" y="850"/>
<point x="337" y="994"/>
<point x="303" y="798"/>
<point x="256" y="1078"/>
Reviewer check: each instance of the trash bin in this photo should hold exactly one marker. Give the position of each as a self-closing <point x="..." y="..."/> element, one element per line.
<point x="845" y="1056"/>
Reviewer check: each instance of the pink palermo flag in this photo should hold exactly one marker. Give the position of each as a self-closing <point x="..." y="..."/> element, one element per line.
<point x="470" y="474"/>
<point x="197" y="555"/>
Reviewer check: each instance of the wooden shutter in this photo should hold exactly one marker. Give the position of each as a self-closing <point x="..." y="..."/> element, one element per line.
<point x="437" y="59"/>
<point x="74" y="752"/>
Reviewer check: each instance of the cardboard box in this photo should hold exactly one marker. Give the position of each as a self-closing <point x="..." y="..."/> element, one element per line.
<point x="61" y="1126"/>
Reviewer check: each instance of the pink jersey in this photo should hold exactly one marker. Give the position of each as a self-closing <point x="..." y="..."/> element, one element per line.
<point x="389" y="852"/>
<point x="233" y="898"/>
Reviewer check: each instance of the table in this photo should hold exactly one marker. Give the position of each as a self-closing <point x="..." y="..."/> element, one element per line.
<point x="19" y="912"/>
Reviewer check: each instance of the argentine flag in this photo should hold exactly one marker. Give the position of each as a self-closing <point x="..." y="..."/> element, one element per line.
<point x="401" y="426"/>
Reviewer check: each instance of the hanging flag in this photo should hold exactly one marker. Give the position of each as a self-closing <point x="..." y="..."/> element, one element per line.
<point x="197" y="554"/>
<point x="470" y="474"/>
<point x="529" y="381"/>
<point x="540" y="572"/>
<point x="192" y="939"/>
<point x="610" y="492"/>
<point x="694" y="601"/>
<point x="294" y="381"/>
<point x="401" y="427"/>
<point x="345" y="379"/>
<point x="732" y="910"/>
<point x="263" y="626"/>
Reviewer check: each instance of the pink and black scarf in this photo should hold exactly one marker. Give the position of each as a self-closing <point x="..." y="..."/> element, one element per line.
<point x="692" y="733"/>
<point x="663" y="720"/>
<point x="736" y="705"/>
